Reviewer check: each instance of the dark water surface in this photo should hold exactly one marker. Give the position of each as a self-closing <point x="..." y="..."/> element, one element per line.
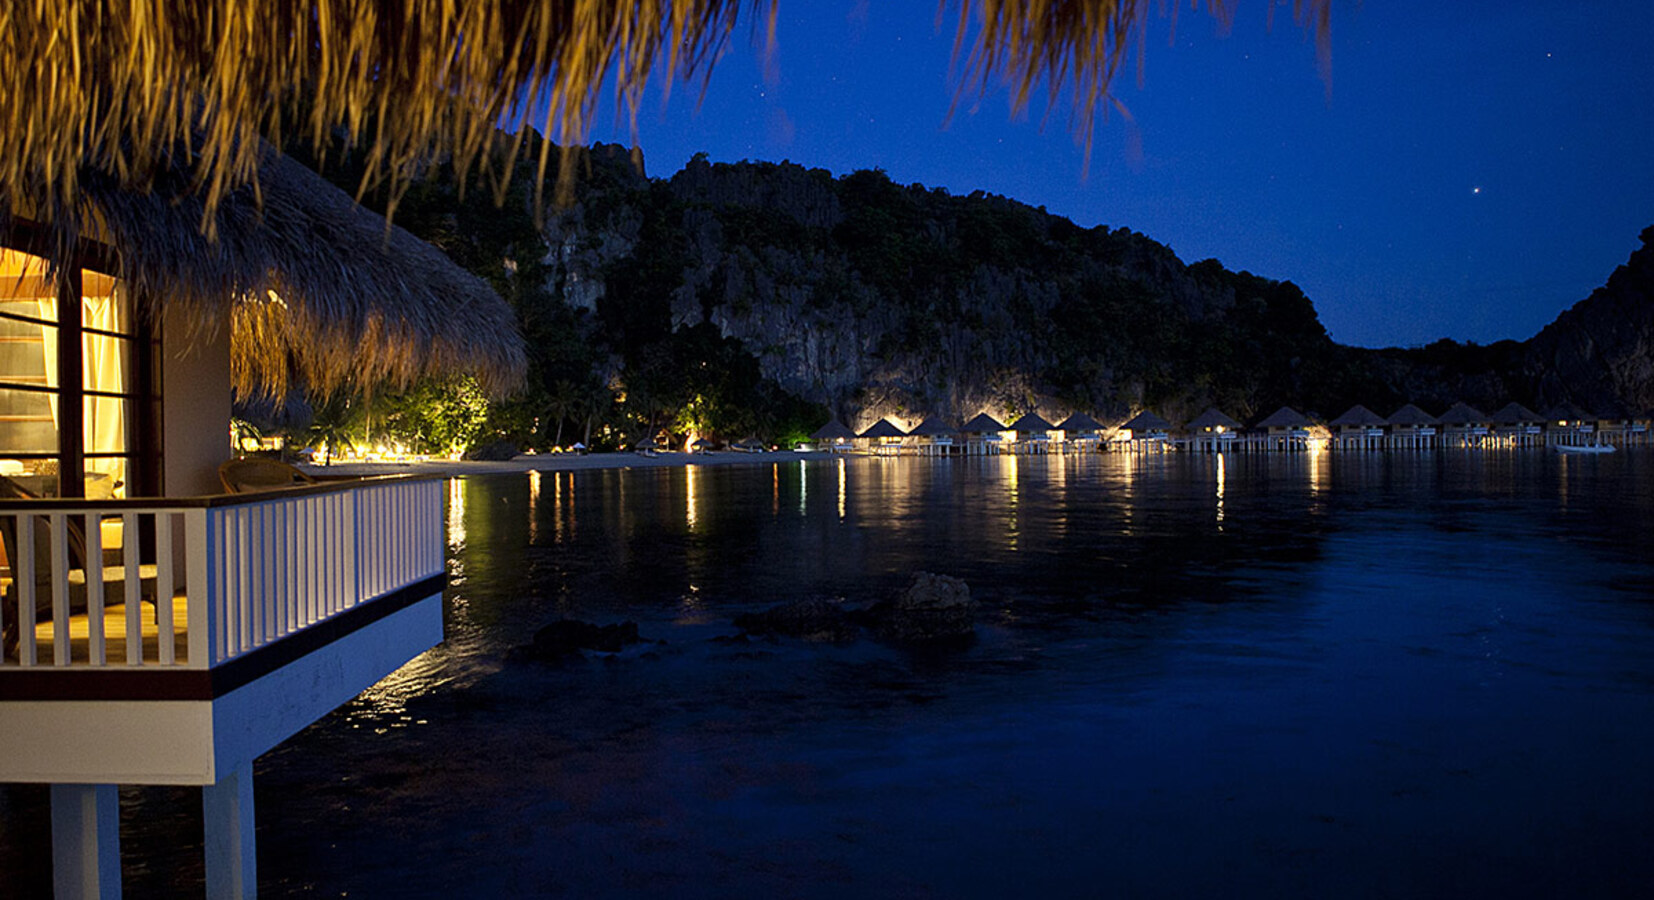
<point x="1339" y="675"/>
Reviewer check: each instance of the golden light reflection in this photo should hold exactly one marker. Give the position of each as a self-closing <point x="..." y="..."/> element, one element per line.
<point x="1221" y="473"/>
<point x="692" y="509"/>
<point x="1011" y="496"/>
<point x="1317" y="466"/>
<point x="841" y="490"/>
<point x="534" y="506"/>
<point x="775" y="489"/>
<point x="456" y="514"/>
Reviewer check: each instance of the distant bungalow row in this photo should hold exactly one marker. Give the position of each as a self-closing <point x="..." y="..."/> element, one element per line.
<point x="1285" y="430"/>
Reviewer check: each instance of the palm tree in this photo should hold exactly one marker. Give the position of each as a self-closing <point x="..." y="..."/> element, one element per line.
<point x="564" y="396"/>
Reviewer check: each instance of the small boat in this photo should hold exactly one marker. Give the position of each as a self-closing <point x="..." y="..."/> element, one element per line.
<point x="1585" y="448"/>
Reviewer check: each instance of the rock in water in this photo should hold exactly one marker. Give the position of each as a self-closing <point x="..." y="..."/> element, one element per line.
<point x="814" y="620"/>
<point x="568" y="637"/>
<point x="934" y="607"/>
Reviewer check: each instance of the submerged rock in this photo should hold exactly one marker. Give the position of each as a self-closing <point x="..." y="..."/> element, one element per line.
<point x="813" y="620"/>
<point x="932" y="608"/>
<point x="568" y="638"/>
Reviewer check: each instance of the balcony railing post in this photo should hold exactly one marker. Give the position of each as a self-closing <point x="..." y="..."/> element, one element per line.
<point x="201" y="575"/>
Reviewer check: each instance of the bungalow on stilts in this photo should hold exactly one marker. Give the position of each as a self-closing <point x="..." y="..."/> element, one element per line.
<point x="1359" y="428"/>
<point x="1081" y="433"/>
<point x="1284" y="429"/>
<point x="1514" y="425"/>
<point x="983" y="435"/>
<point x="1144" y="433"/>
<point x="158" y="631"/>
<point x="1212" y="432"/>
<point x="1464" y="427"/>
<point x="1411" y="428"/>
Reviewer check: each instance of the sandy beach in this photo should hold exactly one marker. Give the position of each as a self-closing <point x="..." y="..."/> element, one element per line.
<point x="560" y="462"/>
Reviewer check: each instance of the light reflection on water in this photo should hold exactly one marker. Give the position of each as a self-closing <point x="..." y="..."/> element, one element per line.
<point x="1194" y="676"/>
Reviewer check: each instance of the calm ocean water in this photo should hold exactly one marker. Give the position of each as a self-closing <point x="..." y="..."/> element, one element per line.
<point x="1335" y="675"/>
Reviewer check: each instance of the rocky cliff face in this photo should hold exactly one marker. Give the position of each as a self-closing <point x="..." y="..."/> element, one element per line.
<point x="1600" y="352"/>
<point x="874" y="298"/>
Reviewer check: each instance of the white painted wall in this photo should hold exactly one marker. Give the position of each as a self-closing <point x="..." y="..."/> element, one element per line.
<point x="195" y="408"/>
<point x="199" y="742"/>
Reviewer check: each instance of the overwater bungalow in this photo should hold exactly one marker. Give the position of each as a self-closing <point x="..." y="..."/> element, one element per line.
<point x="882" y="438"/>
<point x="1033" y="433"/>
<point x="1143" y="433"/>
<point x="1642" y="426"/>
<point x="1359" y="428"/>
<point x="1284" y="429"/>
<point x="1464" y="426"/>
<point x="983" y="435"/>
<point x="1212" y="431"/>
<point x="1568" y="425"/>
<point x="1410" y="428"/>
<point x="1613" y="424"/>
<point x="834" y="437"/>
<point x="1514" y="425"/>
<point x="158" y="631"/>
<point x="933" y="437"/>
<point x="1081" y="433"/>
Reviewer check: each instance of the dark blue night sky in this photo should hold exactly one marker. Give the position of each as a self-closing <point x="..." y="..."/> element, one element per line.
<point x="1476" y="168"/>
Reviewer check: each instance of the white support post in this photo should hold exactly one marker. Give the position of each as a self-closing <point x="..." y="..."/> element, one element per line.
<point x="232" y="852"/>
<point x="86" y="842"/>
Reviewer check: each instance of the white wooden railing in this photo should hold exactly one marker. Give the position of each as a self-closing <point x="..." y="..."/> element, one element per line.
<point x="245" y="570"/>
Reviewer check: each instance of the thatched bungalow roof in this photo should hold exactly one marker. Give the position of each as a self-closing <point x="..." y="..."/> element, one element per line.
<point x="1568" y="412"/>
<point x="1411" y="415"/>
<point x="311" y="284"/>
<point x="1516" y="414"/>
<point x="1080" y="422"/>
<point x="1147" y="421"/>
<point x="1212" y="418"/>
<point x="982" y="424"/>
<point x="1031" y="422"/>
<point x="933" y="427"/>
<point x="1463" y="414"/>
<point x="833" y="431"/>
<point x="1285" y="417"/>
<point x="884" y="428"/>
<point x="1358" y="416"/>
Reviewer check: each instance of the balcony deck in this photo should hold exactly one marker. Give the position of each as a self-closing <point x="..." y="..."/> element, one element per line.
<point x="114" y="621"/>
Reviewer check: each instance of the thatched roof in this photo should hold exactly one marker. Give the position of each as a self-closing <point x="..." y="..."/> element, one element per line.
<point x="1568" y="412"/>
<point x="1516" y="414"/>
<point x="313" y="285"/>
<point x="1147" y="421"/>
<point x="884" y="428"/>
<point x="117" y="85"/>
<point x="1212" y="418"/>
<point x="933" y="427"/>
<point x="1463" y="414"/>
<point x="1285" y="417"/>
<point x="1358" y="415"/>
<point x="833" y="431"/>
<point x="1080" y="422"/>
<point x="1411" y="415"/>
<point x="1031" y="422"/>
<point x="982" y="424"/>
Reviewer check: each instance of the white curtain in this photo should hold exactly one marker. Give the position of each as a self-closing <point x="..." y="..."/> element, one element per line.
<point x="105" y="371"/>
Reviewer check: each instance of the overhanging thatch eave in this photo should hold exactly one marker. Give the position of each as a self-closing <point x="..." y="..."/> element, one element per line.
<point x="311" y="285"/>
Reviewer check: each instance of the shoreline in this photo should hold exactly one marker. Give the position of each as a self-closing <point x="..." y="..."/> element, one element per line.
<point x="566" y="462"/>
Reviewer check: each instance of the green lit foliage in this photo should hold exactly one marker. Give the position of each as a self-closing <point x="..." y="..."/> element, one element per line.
<point x="440" y="418"/>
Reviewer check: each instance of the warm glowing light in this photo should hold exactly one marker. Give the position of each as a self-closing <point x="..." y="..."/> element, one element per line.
<point x="841" y="490"/>
<point x="456" y="514"/>
<point x="690" y="474"/>
<point x="534" y="506"/>
<point x="1221" y="473"/>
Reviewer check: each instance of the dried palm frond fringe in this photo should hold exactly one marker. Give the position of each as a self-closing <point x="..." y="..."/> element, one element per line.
<point x="121" y="86"/>
<point x="313" y="286"/>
